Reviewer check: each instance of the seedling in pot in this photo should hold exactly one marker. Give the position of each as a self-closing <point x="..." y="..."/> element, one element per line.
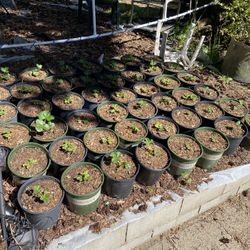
<point x="187" y="146"/>
<point x="192" y="97"/>
<point x="44" y="122"/>
<point x="166" y="100"/>
<point x="238" y="123"/>
<point x="225" y="79"/>
<point x="96" y="93"/>
<point x="116" y="159"/>
<point x="149" y="145"/>
<point x="37" y="70"/>
<point x="120" y="94"/>
<point x="2" y="111"/>
<point x="207" y="91"/>
<point x="242" y="102"/>
<point x="37" y="103"/>
<point x="165" y="81"/>
<point x="112" y="64"/>
<point x="58" y="82"/>
<point x="68" y="147"/>
<point x="141" y="104"/>
<point x="144" y="90"/>
<point x="129" y="58"/>
<point x="29" y="163"/>
<point x="24" y="89"/>
<point x="159" y="126"/>
<point x="4" y="73"/>
<point x="6" y="134"/>
<point x="152" y="66"/>
<point x="134" y="128"/>
<point x="41" y="194"/>
<point x="137" y="77"/>
<point x="185" y="175"/>
<point x="83" y="120"/>
<point x="112" y="79"/>
<point x="62" y="66"/>
<point x="210" y="110"/>
<point x="68" y="100"/>
<point x="213" y="139"/>
<point x="190" y="78"/>
<point x="106" y="140"/>
<point x="114" y="108"/>
<point x="83" y="176"/>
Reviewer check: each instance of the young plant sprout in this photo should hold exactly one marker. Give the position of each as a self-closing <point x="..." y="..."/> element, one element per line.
<point x="144" y="90"/>
<point x="2" y="112"/>
<point x="159" y="126"/>
<point x="62" y="66"/>
<point x="106" y="140"/>
<point x="68" y="147"/>
<point x="120" y="94"/>
<point x="4" y="73"/>
<point x="141" y="104"/>
<point x="192" y="97"/>
<point x="96" y="93"/>
<point x="44" y="122"/>
<point x="6" y="134"/>
<point x="41" y="194"/>
<point x="152" y="66"/>
<point x="238" y="123"/>
<point x="134" y="128"/>
<point x="165" y="81"/>
<point x="29" y="163"/>
<point x="242" y="102"/>
<point x="149" y="145"/>
<point x="84" y="120"/>
<point x="225" y="79"/>
<point x="83" y="176"/>
<point x="213" y="139"/>
<point x="166" y="100"/>
<point x="114" y="108"/>
<point x="129" y="58"/>
<point x="137" y="76"/>
<point x="187" y="146"/>
<point x="207" y="91"/>
<point x="37" y="70"/>
<point x="112" y="79"/>
<point x="59" y="82"/>
<point x="112" y="64"/>
<point x="24" y="89"/>
<point x="68" y="100"/>
<point x="210" y="110"/>
<point x="116" y="159"/>
<point x="190" y="78"/>
<point x="185" y="176"/>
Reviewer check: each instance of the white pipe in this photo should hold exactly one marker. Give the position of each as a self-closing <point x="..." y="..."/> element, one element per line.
<point x="94" y="17"/>
<point x="95" y="36"/>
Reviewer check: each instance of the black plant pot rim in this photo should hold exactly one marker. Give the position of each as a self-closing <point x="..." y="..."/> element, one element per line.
<point x="187" y="136"/>
<point x="124" y="152"/>
<point x="69" y="93"/>
<point x="208" y="102"/>
<point x="9" y="104"/>
<point x="156" y="169"/>
<point x="214" y="130"/>
<point x="52" y="139"/>
<point x="101" y="128"/>
<point x="222" y="118"/>
<point x="28" y="145"/>
<point x="163" y="118"/>
<point x="167" y="76"/>
<point x="44" y="85"/>
<point x="30" y="181"/>
<point x="81" y="111"/>
<point x="110" y="102"/>
<point x="148" y="83"/>
<point x="203" y="96"/>
<point x="62" y="139"/>
<point x="146" y="100"/>
<point x="136" y="120"/>
<point x="79" y="164"/>
<point x="26" y="83"/>
<point x="30" y="99"/>
<point x="193" y="111"/>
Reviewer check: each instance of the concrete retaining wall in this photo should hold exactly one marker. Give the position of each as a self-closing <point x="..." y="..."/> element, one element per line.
<point x="134" y="229"/>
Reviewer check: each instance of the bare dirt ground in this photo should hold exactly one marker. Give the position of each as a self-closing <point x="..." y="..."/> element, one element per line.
<point x="222" y="227"/>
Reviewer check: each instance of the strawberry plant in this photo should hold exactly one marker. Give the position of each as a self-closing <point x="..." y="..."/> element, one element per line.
<point x="134" y="128"/>
<point x="29" y="163"/>
<point x="192" y="97"/>
<point x="83" y="176"/>
<point x="68" y="147"/>
<point x="159" y="126"/>
<point x="150" y="147"/>
<point x="166" y="100"/>
<point x="116" y="159"/>
<point x="44" y="122"/>
<point x="114" y="108"/>
<point x="6" y="134"/>
<point x="68" y="100"/>
<point x="140" y="104"/>
<point x="106" y="140"/>
<point x="35" y="72"/>
<point x="4" y="73"/>
<point x="41" y="194"/>
<point x="24" y="89"/>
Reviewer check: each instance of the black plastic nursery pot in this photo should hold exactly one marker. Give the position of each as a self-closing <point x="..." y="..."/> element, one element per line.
<point x="205" y="95"/>
<point x="182" y="166"/>
<point x="119" y="188"/>
<point x="184" y="128"/>
<point x="109" y="65"/>
<point x="210" y="157"/>
<point x="127" y="144"/>
<point x="246" y="141"/>
<point x="149" y="176"/>
<point x="181" y="101"/>
<point x="93" y="154"/>
<point x="138" y="77"/>
<point x="131" y="61"/>
<point x="4" y="112"/>
<point x="158" y="137"/>
<point x="234" y="141"/>
<point x="17" y="177"/>
<point x="9" y="82"/>
<point x="119" y="97"/>
<point x="26" y="118"/>
<point x="167" y="85"/>
<point x="190" y="83"/>
<point x="79" y="132"/>
<point x="32" y="79"/>
<point x="208" y="122"/>
<point x="5" y="94"/>
<point x="62" y="69"/>
<point x="82" y="203"/>
<point x="148" y="87"/>
<point x="63" y="112"/>
<point x="41" y="220"/>
<point x="150" y="74"/>
<point x="58" y="168"/>
<point x="172" y="67"/>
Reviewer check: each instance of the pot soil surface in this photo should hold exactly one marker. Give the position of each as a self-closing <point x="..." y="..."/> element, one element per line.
<point x="164" y="102"/>
<point x="233" y="107"/>
<point x="207" y="92"/>
<point x="188" y="78"/>
<point x="7" y="112"/>
<point x="56" y="85"/>
<point x="172" y="67"/>
<point x="123" y="95"/>
<point x="76" y="187"/>
<point x="230" y="128"/>
<point x="145" y="89"/>
<point x="208" y="110"/>
<point x="133" y="76"/>
<point x="211" y="140"/>
<point x="28" y="161"/>
<point x="67" y="151"/>
<point x="162" y="128"/>
<point x="23" y="91"/>
<point x="130" y="130"/>
<point x="12" y="135"/>
<point x="141" y="109"/>
<point x="166" y="82"/>
<point x="32" y="203"/>
<point x="184" y="147"/>
<point x="4" y="93"/>
<point x="68" y="101"/>
<point x="185" y="97"/>
<point x="27" y="75"/>
<point x="100" y="141"/>
<point x="95" y="95"/>
<point x="186" y="118"/>
<point x="125" y="168"/>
